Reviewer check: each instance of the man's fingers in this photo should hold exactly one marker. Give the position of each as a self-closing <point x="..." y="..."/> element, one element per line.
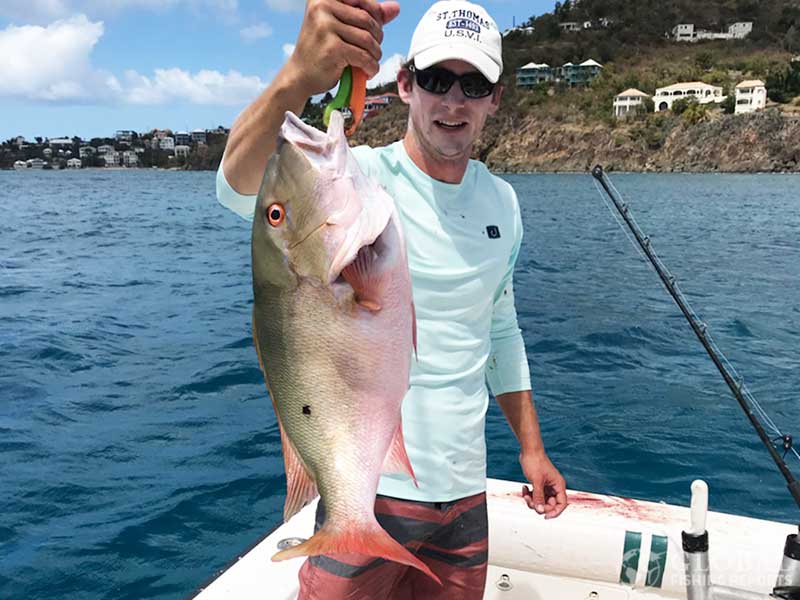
<point x="357" y="57"/>
<point x="390" y="10"/>
<point x="371" y="6"/>
<point x="360" y="39"/>
<point x="359" y="18"/>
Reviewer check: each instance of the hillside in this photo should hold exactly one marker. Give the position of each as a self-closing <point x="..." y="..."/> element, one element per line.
<point x="556" y="128"/>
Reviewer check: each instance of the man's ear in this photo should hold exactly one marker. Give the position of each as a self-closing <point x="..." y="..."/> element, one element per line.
<point x="497" y="93"/>
<point x="405" y="81"/>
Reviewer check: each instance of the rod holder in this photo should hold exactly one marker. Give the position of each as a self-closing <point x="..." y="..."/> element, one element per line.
<point x="695" y="546"/>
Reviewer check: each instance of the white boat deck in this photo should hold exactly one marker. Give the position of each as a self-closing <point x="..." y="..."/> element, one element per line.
<point x="600" y="548"/>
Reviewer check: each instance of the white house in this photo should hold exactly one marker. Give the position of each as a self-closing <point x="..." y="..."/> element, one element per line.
<point x="86" y="151"/>
<point x="104" y="149"/>
<point x="48" y="153"/>
<point x="703" y="93"/>
<point x="628" y="101"/>
<point x="20" y="164"/>
<point x="124" y="135"/>
<point x="686" y="32"/>
<point x="750" y="96"/>
<point x="570" y="26"/>
<point x="183" y="138"/>
<point x="199" y="135"/>
<point x="61" y="143"/>
<point x="35" y="163"/>
<point x="74" y="163"/>
<point x="130" y="159"/>
<point x="740" y="30"/>
<point x="167" y="143"/>
<point x="182" y="150"/>
<point x="111" y="158"/>
<point x="519" y="29"/>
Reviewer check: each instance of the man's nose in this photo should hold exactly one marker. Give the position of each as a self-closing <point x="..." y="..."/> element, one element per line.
<point x="454" y="97"/>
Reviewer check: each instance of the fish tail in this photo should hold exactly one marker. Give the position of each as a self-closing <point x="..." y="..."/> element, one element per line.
<point x="369" y="540"/>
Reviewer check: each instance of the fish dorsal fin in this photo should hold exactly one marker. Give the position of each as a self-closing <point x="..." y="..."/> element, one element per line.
<point x="300" y="486"/>
<point x="396" y="460"/>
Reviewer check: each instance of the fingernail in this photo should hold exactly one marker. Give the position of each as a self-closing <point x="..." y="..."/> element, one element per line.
<point x="539" y="507"/>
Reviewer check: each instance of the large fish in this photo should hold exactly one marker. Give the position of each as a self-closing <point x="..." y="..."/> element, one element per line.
<point x="333" y="322"/>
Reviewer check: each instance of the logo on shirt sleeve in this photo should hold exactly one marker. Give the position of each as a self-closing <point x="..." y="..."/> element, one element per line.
<point x="493" y="231"/>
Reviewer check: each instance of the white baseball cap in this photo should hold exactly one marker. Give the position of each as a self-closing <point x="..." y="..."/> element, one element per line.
<point x="456" y="29"/>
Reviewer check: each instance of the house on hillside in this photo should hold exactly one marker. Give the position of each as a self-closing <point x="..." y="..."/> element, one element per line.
<point x="86" y="151"/>
<point x="533" y="74"/>
<point x="20" y="164"/>
<point x="374" y="104"/>
<point x="104" y="149"/>
<point x="130" y="158"/>
<point x="581" y="74"/>
<point x="182" y="151"/>
<point x="629" y="102"/>
<point x="199" y="135"/>
<point x="750" y="96"/>
<point x="111" y="158"/>
<point x="183" y="138"/>
<point x="167" y="143"/>
<point x="74" y="163"/>
<point x="686" y="32"/>
<point x="60" y="143"/>
<point x="568" y="26"/>
<point x="519" y="29"/>
<point x="703" y="93"/>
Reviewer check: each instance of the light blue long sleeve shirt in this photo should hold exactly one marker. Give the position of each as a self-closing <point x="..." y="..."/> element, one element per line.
<point x="462" y="242"/>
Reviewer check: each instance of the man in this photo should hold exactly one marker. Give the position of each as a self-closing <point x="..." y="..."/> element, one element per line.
<point x="463" y="232"/>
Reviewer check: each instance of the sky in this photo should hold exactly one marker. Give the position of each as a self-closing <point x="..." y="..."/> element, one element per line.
<point x="91" y="67"/>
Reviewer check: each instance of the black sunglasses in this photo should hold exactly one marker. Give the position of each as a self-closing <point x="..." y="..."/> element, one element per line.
<point x="438" y="80"/>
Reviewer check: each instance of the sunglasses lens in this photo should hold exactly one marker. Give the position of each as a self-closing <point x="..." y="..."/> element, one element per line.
<point x="475" y="85"/>
<point x="436" y="81"/>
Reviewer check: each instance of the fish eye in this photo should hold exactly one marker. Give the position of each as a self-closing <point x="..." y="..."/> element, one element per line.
<point x="275" y="214"/>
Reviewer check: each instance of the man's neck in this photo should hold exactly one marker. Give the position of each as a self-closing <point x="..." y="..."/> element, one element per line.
<point x="447" y="170"/>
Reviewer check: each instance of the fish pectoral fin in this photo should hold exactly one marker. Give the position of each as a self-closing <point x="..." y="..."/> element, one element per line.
<point x="396" y="460"/>
<point x="300" y="486"/>
<point x="365" y="280"/>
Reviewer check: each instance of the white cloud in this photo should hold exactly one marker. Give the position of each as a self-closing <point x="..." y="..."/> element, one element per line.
<point x="53" y="64"/>
<point x="44" y="11"/>
<point x="287" y="49"/>
<point x="48" y="63"/>
<point x="388" y="71"/>
<point x="204" y="87"/>
<point x="286" y="5"/>
<point x="256" y="32"/>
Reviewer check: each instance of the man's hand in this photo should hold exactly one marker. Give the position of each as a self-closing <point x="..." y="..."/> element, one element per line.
<point x="549" y="494"/>
<point x="337" y="33"/>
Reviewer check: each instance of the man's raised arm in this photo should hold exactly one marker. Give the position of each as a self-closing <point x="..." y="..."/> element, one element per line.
<point x="334" y="34"/>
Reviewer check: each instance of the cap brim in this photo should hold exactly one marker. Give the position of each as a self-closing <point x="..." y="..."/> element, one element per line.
<point x="465" y="52"/>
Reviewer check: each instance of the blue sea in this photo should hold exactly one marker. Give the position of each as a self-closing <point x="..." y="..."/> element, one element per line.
<point x="138" y="449"/>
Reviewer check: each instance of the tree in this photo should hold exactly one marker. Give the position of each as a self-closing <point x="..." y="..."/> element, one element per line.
<point x="729" y="104"/>
<point x="704" y="60"/>
<point x="680" y="105"/>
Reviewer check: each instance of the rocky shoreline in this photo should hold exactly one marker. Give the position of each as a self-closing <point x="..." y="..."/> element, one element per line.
<point x="765" y="142"/>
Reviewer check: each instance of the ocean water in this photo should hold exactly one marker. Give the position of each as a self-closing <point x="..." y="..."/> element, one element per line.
<point x="138" y="449"/>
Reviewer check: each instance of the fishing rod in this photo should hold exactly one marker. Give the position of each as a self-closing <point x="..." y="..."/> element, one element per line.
<point x="701" y="331"/>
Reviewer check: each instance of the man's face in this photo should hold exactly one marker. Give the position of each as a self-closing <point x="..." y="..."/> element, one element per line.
<point x="446" y="125"/>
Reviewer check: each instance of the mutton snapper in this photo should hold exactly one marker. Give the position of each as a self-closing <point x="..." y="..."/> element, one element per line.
<point x="334" y="327"/>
